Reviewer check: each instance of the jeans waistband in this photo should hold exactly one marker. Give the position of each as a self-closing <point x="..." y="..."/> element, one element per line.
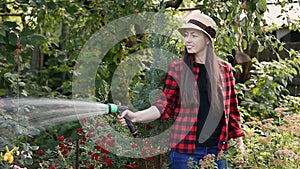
<point x="207" y="147"/>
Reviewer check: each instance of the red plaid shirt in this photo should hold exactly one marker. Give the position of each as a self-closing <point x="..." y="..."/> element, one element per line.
<point x="183" y="135"/>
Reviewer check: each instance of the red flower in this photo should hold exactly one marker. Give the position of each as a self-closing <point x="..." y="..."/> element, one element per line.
<point x="90" y="153"/>
<point x="104" y="151"/>
<point x="63" y="146"/>
<point x="97" y="147"/>
<point x="104" y="139"/>
<point x="41" y="152"/>
<point x="148" y="126"/>
<point x="79" y="130"/>
<point x="51" y="167"/>
<point x="134" y="146"/>
<point x="109" y="136"/>
<point x="60" y="138"/>
<point x="149" y="158"/>
<point x="151" y="150"/>
<point x="133" y="165"/>
<point x="64" y="152"/>
<point x="96" y="156"/>
<point x="99" y="124"/>
<point x="92" y="166"/>
<point x="90" y="135"/>
<point x="147" y="142"/>
<point x="111" y="143"/>
<point x="108" y="161"/>
<point x="98" y="142"/>
<point x="144" y="153"/>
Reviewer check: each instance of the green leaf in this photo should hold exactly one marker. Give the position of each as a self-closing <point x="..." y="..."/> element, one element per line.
<point x="23" y="40"/>
<point x="28" y="161"/>
<point x="3" y="30"/>
<point x="293" y="52"/>
<point x="244" y="44"/>
<point x="34" y="148"/>
<point x="7" y="75"/>
<point x="27" y="32"/>
<point x="72" y="9"/>
<point x="2" y="92"/>
<point x="22" y="84"/>
<point x="280" y="48"/>
<point x="261" y="48"/>
<point x="10" y="24"/>
<point x="35" y="39"/>
<point x="255" y="90"/>
<point x="51" y="5"/>
<point x="261" y="5"/>
<point x="2" y="41"/>
<point x="23" y="1"/>
<point x="13" y="39"/>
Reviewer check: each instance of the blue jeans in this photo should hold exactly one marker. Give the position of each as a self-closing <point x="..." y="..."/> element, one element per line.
<point x="180" y="161"/>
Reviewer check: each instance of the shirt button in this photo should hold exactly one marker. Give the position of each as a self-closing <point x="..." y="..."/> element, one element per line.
<point x="226" y="116"/>
<point x="223" y="142"/>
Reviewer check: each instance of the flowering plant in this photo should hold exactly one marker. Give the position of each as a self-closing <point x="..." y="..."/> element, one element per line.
<point x="8" y="156"/>
<point x="81" y="152"/>
<point x="17" y="158"/>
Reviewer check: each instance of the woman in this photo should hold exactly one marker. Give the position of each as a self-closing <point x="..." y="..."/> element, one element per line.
<point x="200" y="91"/>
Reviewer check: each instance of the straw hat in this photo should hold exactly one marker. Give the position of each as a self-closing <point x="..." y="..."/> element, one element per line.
<point x="199" y="21"/>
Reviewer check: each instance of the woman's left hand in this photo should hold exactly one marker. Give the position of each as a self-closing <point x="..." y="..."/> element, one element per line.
<point x="240" y="145"/>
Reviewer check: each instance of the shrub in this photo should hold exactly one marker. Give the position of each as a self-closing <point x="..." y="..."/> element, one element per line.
<point x="267" y="89"/>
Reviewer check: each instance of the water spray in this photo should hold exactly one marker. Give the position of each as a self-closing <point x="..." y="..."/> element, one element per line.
<point x="48" y="112"/>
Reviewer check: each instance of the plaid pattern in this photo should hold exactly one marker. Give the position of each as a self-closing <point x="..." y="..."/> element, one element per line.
<point x="183" y="136"/>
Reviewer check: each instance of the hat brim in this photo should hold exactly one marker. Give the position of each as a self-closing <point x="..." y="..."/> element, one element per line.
<point x="191" y="26"/>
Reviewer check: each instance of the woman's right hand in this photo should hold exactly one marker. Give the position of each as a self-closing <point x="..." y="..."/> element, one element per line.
<point x="127" y="113"/>
<point x="147" y="115"/>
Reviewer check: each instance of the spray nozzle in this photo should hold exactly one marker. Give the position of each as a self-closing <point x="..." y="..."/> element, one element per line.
<point x="112" y="108"/>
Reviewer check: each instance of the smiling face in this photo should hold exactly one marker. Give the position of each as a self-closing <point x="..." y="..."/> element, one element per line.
<point x="195" y="41"/>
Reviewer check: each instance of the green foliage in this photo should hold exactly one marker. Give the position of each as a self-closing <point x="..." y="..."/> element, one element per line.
<point x="266" y="89"/>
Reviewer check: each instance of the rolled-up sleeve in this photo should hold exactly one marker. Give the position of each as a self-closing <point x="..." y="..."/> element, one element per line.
<point x="168" y="98"/>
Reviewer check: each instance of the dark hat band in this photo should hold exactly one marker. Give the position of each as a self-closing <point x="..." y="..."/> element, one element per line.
<point x="211" y="31"/>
